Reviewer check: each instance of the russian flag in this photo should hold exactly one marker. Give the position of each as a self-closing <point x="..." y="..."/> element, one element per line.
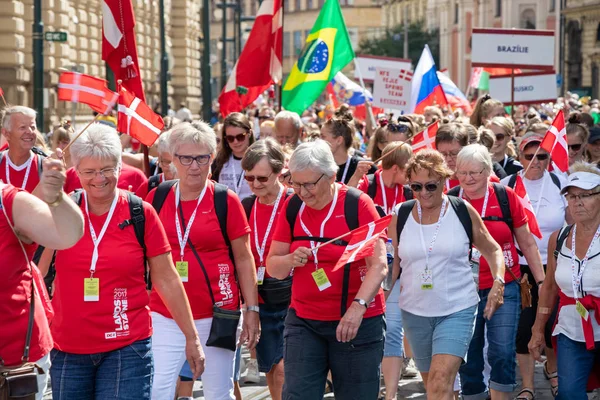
<point x="454" y="96"/>
<point x="426" y="87"/>
<point x="342" y="90"/>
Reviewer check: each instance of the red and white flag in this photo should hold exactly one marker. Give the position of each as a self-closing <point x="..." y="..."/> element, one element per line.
<point x="524" y="198"/>
<point x="86" y="89"/>
<point x="259" y="66"/>
<point x="425" y="139"/>
<point x="137" y="119"/>
<point x="119" y="48"/>
<point x="362" y="241"/>
<point x="555" y="142"/>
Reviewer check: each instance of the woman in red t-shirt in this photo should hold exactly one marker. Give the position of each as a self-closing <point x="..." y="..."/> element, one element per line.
<point x="190" y="218"/>
<point x="336" y="317"/>
<point x="473" y="169"/>
<point x="102" y="325"/>
<point x="50" y="220"/>
<point x="165" y="163"/>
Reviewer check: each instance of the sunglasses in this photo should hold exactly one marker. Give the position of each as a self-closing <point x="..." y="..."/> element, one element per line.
<point x="397" y="128"/>
<point x="261" y="179"/>
<point x="540" y="157"/>
<point x="430" y="187"/>
<point x="500" y="137"/>
<point x="240" y="138"/>
<point x="575" y="147"/>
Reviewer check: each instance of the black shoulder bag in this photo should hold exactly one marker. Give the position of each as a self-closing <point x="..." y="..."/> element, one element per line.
<point x="223" y="330"/>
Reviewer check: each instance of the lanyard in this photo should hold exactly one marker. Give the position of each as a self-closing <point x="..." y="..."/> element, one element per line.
<point x="435" y="234"/>
<point x="485" y="201"/>
<point x="448" y="185"/>
<point x="236" y="181"/>
<point x="183" y="239"/>
<point x="384" y="196"/>
<point x="505" y="161"/>
<point x="346" y="170"/>
<point x="322" y="232"/>
<point x="97" y="239"/>
<point x="261" y="249"/>
<point x="575" y="277"/>
<point x="26" y="178"/>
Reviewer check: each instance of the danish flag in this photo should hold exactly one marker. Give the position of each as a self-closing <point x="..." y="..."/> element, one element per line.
<point x="426" y="138"/>
<point x="555" y="142"/>
<point x="86" y="89"/>
<point x="137" y="119"/>
<point x="362" y="241"/>
<point x="524" y="198"/>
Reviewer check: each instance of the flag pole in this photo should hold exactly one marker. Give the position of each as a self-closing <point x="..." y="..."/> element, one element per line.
<point x="331" y="241"/>
<point x="282" y="10"/>
<point x="531" y="162"/>
<point x="3" y="99"/>
<point x="362" y="83"/>
<point x="80" y="133"/>
<point x="512" y="95"/>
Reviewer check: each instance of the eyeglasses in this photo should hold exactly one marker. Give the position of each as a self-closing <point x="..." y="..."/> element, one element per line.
<point x="308" y="186"/>
<point x="500" y="137"/>
<point x="240" y="138"/>
<point x="104" y="173"/>
<point x="451" y="154"/>
<point x="186" y="161"/>
<point x="540" y="157"/>
<point x="470" y="174"/>
<point x="430" y="187"/>
<point x="575" y="147"/>
<point x="397" y="128"/>
<point x="261" y="179"/>
<point x="582" y="196"/>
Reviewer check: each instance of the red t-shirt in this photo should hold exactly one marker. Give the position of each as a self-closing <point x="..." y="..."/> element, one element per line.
<point x="392" y="197"/>
<point x="15" y="289"/>
<point x="308" y="301"/>
<point x="208" y="240"/>
<point x="142" y="190"/>
<point x="121" y="316"/>
<point x="18" y="176"/>
<point x="501" y="234"/>
<point x="130" y="176"/>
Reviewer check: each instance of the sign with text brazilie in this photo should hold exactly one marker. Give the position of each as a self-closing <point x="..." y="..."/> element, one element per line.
<point x="530" y="88"/>
<point x="513" y="48"/>
<point x="392" y="88"/>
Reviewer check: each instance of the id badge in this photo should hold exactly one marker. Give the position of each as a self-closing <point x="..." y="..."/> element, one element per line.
<point x="182" y="270"/>
<point x="475" y="255"/>
<point x="91" y="289"/>
<point x="321" y="279"/>
<point x="260" y="275"/>
<point x="426" y="280"/>
<point x="582" y="311"/>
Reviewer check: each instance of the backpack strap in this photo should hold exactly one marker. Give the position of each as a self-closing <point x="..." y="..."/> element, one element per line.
<point x="138" y="220"/>
<point x="221" y="211"/>
<point x="248" y="203"/>
<point x="408" y="193"/>
<point x="555" y="180"/>
<point x="153" y="182"/>
<point x="292" y="211"/>
<point x="40" y="160"/>
<point x="462" y="212"/>
<point x="455" y="191"/>
<point x="161" y="194"/>
<point x="512" y="181"/>
<point x="372" y="189"/>
<point x="351" y="216"/>
<point x="403" y="213"/>
<point x="560" y="239"/>
<point x="504" y="205"/>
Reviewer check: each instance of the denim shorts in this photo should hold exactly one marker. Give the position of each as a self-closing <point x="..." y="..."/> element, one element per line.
<point x="269" y="350"/>
<point x="428" y="336"/>
<point x="394" y="334"/>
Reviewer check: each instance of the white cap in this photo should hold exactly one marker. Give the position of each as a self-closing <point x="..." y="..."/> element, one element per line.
<point x="582" y="180"/>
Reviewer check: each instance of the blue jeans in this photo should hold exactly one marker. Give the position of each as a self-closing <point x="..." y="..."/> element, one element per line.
<point x="501" y="337"/>
<point x="575" y="364"/>
<point x="311" y="349"/>
<point x="121" y="374"/>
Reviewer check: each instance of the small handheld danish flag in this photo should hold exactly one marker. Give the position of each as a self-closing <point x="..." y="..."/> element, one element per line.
<point x="555" y="142"/>
<point x="86" y="89"/>
<point x="137" y="119"/>
<point x="426" y="138"/>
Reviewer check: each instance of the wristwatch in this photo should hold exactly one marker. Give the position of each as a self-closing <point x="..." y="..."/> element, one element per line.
<point x="361" y="302"/>
<point x="252" y="308"/>
<point x="499" y="279"/>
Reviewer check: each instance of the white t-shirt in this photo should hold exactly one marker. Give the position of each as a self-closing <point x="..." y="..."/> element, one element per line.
<point x="453" y="285"/>
<point x="549" y="207"/>
<point x="569" y="321"/>
<point x="232" y="176"/>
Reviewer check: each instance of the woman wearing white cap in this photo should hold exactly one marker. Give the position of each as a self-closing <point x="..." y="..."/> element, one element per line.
<point x="574" y="275"/>
<point x="550" y="208"/>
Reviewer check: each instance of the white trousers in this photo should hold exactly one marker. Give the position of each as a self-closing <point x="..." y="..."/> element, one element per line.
<point x="43" y="379"/>
<point x="168" y="346"/>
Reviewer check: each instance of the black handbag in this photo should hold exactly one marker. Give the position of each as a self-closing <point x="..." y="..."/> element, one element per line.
<point x="223" y="330"/>
<point x="276" y="292"/>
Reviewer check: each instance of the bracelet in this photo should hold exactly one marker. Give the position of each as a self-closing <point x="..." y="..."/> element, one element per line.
<point x="544" y="310"/>
<point x="253" y="308"/>
<point x="57" y="201"/>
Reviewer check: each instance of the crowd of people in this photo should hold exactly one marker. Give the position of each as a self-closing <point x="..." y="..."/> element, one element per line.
<point x="117" y="285"/>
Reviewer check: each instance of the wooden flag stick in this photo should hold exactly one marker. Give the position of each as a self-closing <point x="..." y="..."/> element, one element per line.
<point x="531" y="162"/>
<point x="80" y="133"/>
<point x="331" y="241"/>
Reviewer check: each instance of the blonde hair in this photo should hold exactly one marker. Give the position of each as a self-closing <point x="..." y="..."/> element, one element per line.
<point x="484" y="105"/>
<point x="582" y="166"/>
<point x="430" y="160"/>
<point x="400" y="154"/>
<point x="506" y="124"/>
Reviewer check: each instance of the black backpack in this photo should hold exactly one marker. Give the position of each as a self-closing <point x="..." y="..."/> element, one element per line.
<point x="153" y="182"/>
<point x="560" y="239"/>
<point x="372" y="192"/>
<point x="351" y="216"/>
<point x="513" y="180"/>
<point x="248" y="202"/>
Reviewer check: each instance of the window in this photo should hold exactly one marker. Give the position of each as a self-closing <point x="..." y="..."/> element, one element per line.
<point x="498" y="8"/>
<point x="297" y="5"/>
<point x="353" y="35"/>
<point x="552" y="5"/>
<point x="297" y="42"/>
<point x="253" y="7"/>
<point x="456" y="12"/>
<point x="527" y="19"/>
<point x="286" y="5"/>
<point x="286" y="44"/>
<point x="309" y="4"/>
<point x="598" y="33"/>
<point x="306" y="33"/>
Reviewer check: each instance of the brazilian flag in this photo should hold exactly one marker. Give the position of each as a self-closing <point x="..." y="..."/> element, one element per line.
<point x="326" y="52"/>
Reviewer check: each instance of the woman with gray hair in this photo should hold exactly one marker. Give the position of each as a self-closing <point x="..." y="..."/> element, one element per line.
<point x="335" y="321"/>
<point x="504" y="216"/>
<point x="208" y="230"/>
<point x="164" y="163"/>
<point x="102" y="326"/>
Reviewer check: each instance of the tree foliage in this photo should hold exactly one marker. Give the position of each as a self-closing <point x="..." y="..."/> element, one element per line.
<point x="391" y="43"/>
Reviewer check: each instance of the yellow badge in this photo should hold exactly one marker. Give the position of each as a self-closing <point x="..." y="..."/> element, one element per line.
<point x="91" y="289"/>
<point x="182" y="270"/>
<point x="321" y="279"/>
<point x="260" y="275"/>
<point x="582" y="311"/>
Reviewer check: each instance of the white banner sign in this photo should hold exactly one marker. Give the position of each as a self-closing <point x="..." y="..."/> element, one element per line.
<point x="368" y="64"/>
<point x="530" y="88"/>
<point x="391" y="89"/>
<point x="512" y="48"/>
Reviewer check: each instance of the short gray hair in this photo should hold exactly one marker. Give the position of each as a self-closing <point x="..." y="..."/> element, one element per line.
<point x="316" y="156"/>
<point x="260" y="149"/>
<point x="196" y="133"/>
<point x="289" y="116"/>
<point x="98" y="141"/>
<point x="7" y="114"/>
<point x="475" y="152"/>
<point x="162" y="144"/>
